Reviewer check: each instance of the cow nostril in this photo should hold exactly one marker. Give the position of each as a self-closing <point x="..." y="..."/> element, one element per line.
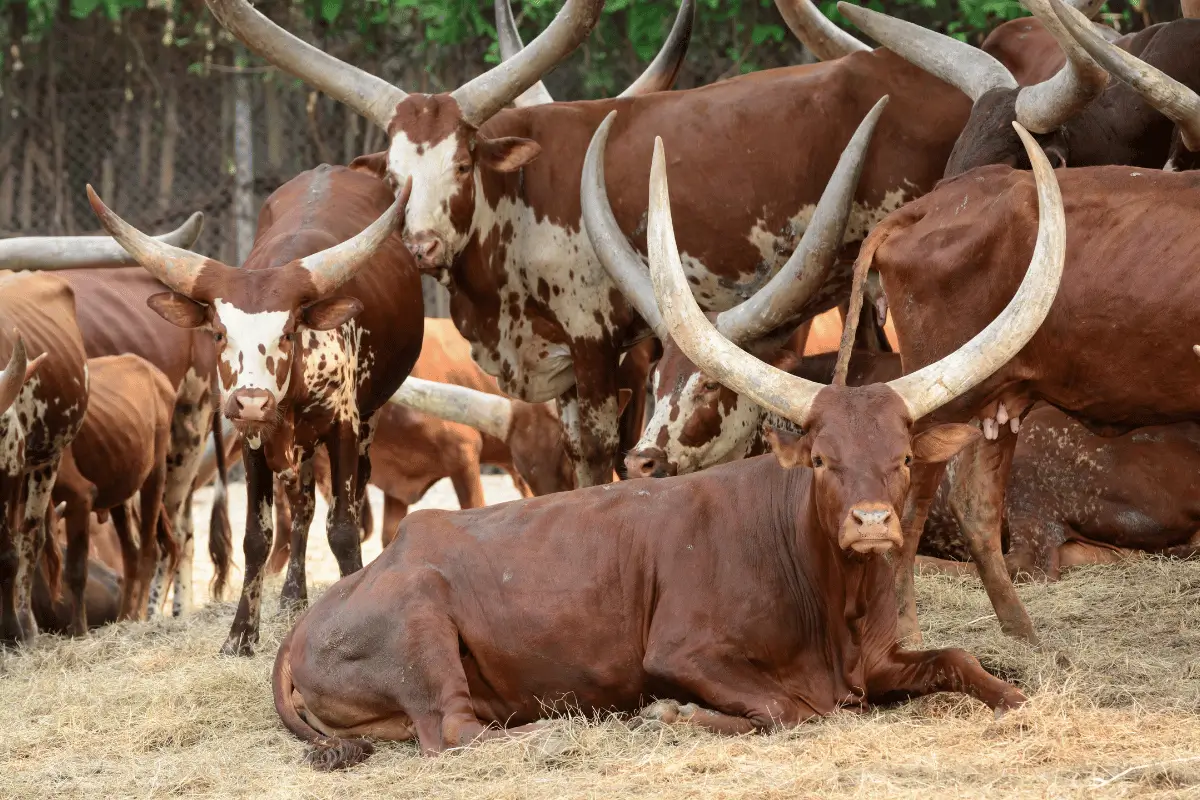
<point x="863" y="517"/>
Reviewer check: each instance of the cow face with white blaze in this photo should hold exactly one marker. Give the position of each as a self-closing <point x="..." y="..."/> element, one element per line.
<point x="256" y="316"/>
<point x="434" y="139"/>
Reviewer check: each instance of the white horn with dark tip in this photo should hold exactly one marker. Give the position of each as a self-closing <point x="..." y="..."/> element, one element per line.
<point x="13" y="377"/>
<point x="660" y="75"/>
<point x="45" y="253"/>
<point x="1173" y="99"/>
<point x="970" y="69"/>
<point x="489" y="413"/>
<point x="775" y="390"/>
<point x="333" y="267"/>
<point x="805" y="272"/>
<point x="483" y="96"/>
<point x="618" y="257"/>
<point x="511" y="44"/>
<point x="1044" y="107"/>
<point x="933" y="386"/>
<point x="817" y="32"/>
<point x="370" y="96"/>
<point x="174" y="266"/>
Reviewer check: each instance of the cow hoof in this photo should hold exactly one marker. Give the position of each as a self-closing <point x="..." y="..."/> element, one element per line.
<point x="1012" y="701"/>
<point x="665" y="711"/>
<point x="237" y="646"/>
<point x="291" y="606"/>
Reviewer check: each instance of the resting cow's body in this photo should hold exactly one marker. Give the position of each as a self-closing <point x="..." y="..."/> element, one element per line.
<point x="601" y="600"/>
<point x="37" y="425"/>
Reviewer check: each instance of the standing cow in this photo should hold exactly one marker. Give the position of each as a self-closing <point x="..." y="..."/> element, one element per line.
<point x="44" y="406"/>
<point x="495" y="211"/>
<point x="313" y="334"/>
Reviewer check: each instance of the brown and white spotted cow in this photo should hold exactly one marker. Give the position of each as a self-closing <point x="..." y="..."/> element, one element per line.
<point x="115" y="320"/>
<point x="314" y="333"/>
<point x="44" y="401"/>
<point x="495" y="201"/>
<point x="120" y="452"/>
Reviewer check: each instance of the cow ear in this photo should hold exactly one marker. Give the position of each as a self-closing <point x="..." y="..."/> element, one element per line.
<point x="32" y="367"/>
<point x="180" y="311"/>
<point x="506" y="154"/>
<point x="791" y="449"/>
<point x="942" y="442"/>
<point x="330" y="313"/>
<point x="372" y="164"/>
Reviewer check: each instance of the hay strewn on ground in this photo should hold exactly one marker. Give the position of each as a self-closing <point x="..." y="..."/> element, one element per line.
<point x="149" y="710"/>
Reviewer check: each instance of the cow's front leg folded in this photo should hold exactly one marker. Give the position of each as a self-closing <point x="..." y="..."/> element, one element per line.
<point x="670" y="711"/>
<point x="914" y="673"/>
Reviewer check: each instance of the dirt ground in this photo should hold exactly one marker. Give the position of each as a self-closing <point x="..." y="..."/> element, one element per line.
<point x="151" y="710"/>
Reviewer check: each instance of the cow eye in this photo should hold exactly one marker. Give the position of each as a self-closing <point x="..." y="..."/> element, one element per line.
<point x="218" y="337"/>
<point x="908" y="460"/>
<point x="818" y="461"/>
<point x="287" y="337"/>
<point x="711" y="386"/>
<point x="463" y="169"/>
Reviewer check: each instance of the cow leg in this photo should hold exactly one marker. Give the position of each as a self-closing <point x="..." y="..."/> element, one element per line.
<point x="150" y="507"/>
<point x="366" y="519"/>
<point x="302" y="498"/>
<point x="915" y="673"/>
<point x="342" y="524"/>
<point x="590" y="415"/>
<point x="394" y="512"/>
<point x="923" y="489"/>
<point x="131" y="588"/>
<point x="670" y="711"/>
<point x="1033" y="540"/>
<point x="519" y="483"/>
<point x="362" y="505"/>
<point x="10" y="503"/>
<point x="32" y="538"/>
<point x="977" y="500"/>
<point x="243" y="635"/>
<point x="282" y="547"/>
<point x="468" y="486"/>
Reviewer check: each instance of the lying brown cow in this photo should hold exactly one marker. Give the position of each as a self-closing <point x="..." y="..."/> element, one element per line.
<point x="120" y="451"/>
<point x="604" y="597"/>
<point x="51" y="610"/>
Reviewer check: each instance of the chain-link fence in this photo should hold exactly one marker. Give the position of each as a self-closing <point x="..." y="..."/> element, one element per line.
<point x="154" y="135"/>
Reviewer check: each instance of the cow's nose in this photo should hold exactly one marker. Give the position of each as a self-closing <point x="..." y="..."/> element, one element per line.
<point x="648" y="464"/>
<point x="870" y="518"/>
<point x="427" y="250"/>
<point x="251" y="405"/>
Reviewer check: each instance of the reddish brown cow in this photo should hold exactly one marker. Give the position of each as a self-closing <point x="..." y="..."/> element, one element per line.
<point x="449" y="631"/>
<point x="115" y="320"/>
<point x="495" y="209"/>
<point x="1084" y="360"/>
<point x="40" y="419"/>
<point x="120" y="451"/>
<point x="314" y="333"/>
<point x="51" y="610"/>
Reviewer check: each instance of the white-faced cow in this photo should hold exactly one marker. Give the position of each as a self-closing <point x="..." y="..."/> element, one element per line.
<point x="313" y="334"/>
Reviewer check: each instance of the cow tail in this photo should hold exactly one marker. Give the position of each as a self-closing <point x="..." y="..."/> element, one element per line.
<point x="862" y="265"/>
<point x="220" y="532"/>
<point x="170" y="547"/>
<point x="325" y="753"/>
<point x="52" y="561"/>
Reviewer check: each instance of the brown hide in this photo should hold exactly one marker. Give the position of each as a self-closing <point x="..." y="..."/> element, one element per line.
<point x="802" y="628"/>
<point x="120" y="451"/>
<point x="50" y="409"/>
<point x="1026" y="50"/>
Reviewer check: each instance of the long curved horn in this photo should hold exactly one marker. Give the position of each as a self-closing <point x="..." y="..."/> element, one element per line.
<point x="806" y="270"/>
<point x="816" y="31"/>
<point x="660" y="75"/>
<point x="13" y="377"/>
<point x="1173" y="99"/>
<point x="370" y="96"/>
<point x="334" y="266"/>
<point x="45" y="253"/>
<point x="786" y="395"/>
<point x="935" y="385"/>
<point x="618" y="257"/>
<point x="489" y="413"/>
<point x="511" y="44"/>
<point x="959" y="64"/>
<point x="174" y="266"/>
<point x="483" y="96"/>
<point x="1044" y="107"/>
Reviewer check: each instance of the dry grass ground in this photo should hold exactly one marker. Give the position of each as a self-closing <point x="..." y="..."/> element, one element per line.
<point x="150" y="710"/>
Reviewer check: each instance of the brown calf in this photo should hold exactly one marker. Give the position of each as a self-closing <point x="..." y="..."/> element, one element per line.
<point x="120" y="451"/>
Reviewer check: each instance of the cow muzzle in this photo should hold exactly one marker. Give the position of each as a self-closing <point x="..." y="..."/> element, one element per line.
<point x="649" y="463"/>
<point x="429" y="250"/>
<point x="871" y="528"/>
<point x="255" y="406"/>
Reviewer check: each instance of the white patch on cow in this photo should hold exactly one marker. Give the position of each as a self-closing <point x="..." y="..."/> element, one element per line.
<point x="738" y="427"/>
<point x="435" y="177"/>
<point x="251" y="339"/>
<point x="12" y="444"/>
<point x="330" y="371"/>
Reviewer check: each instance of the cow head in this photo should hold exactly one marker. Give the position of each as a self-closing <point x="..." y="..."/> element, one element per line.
<point x="256" y="316"/>
<point x="434" y="140"/>
<point x="697" y="421"/>
<point x="997" y="100"/>
<point x="860" y="442"/>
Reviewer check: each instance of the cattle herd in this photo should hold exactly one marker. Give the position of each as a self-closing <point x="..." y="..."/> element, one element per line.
<point x="1021" y="213"/>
